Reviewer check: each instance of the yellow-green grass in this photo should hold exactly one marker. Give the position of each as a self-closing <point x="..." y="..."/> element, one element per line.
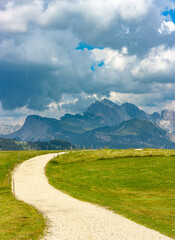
<point x="17" y="220"/>
<point x="139" y="185"/>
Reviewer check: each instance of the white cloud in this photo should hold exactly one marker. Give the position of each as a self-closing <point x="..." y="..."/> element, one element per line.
<point x="108" y="10"/>
<point x="170" y="105"/>
<point x="65" y="13"/>
<point x="141" y="99"/>
<point x="149" y="102"/>
<point x="15" y="18"/>
<point x="167" y="26"/>
<point x="113" y="59"/>
<point x="160" y="60"/>
<point x="40" y="47"/>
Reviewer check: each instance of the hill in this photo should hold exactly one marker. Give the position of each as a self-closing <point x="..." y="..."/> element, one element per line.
<point x="129" y="134"/>
<point x="136" y="184"/>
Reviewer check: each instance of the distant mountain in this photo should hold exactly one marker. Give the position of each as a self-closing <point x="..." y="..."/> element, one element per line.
<point x="9" y="144"/>
<point x="99" y="114"/>
<point x="129" y="134"/>
<point x="7" y="129"/>
<point x="89" y="128"/>
<point x="81" y="123"/>
<point x="109" y="113"/>
<point x="167" y="120"/>
<point x="38" y="128"/>
<point x="134" y="112"/>
<point x="106" y="113"/>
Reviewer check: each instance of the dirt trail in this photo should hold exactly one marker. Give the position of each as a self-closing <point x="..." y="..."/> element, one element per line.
<point x="68" y="218"/>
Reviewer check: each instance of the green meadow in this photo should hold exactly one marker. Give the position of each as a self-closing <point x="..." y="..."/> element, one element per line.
<point x="139" y="185"/>
<point x="17" y="219"/>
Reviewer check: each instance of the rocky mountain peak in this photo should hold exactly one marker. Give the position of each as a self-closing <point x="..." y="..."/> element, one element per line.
<point x="168" y="115"/>
<point x="134" y="112"/>
<point x="109" y="103"/>
<point x="109" y="112"/>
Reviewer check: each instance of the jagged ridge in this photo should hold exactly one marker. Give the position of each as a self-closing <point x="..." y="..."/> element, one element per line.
<point x="83" y="129"/>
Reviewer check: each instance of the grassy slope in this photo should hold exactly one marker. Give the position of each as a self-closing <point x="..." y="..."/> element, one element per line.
<point x="139" y="188"/>
<point x="17" y="219"/>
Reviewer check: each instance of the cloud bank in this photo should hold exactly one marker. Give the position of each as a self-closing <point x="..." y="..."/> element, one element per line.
<point x="86" y="48"/>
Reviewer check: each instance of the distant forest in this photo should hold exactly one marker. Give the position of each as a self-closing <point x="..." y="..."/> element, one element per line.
<point x="12" y="144"/>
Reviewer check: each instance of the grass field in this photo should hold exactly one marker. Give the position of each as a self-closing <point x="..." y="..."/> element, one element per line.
<point x="139" y="185"/>
<point x="18" y="221"/>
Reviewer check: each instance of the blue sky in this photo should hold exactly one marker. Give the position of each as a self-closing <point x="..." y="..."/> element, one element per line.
<point x="83" y="45"/>
<point x="59" y="56"/>
<point x="170" y="13"/>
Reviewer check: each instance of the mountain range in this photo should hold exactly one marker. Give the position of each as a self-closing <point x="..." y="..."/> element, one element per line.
<point x="106" y="124"/>
<point x="7" y="129"/>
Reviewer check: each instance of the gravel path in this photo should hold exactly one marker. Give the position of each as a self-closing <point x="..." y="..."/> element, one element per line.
<point x="68" y="218"/>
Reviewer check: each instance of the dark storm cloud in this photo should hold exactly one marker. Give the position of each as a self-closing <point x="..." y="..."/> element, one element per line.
<point x="24" y="85"/>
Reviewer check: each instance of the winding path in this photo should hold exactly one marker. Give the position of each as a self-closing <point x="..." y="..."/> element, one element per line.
<point x="68" y="218"/>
